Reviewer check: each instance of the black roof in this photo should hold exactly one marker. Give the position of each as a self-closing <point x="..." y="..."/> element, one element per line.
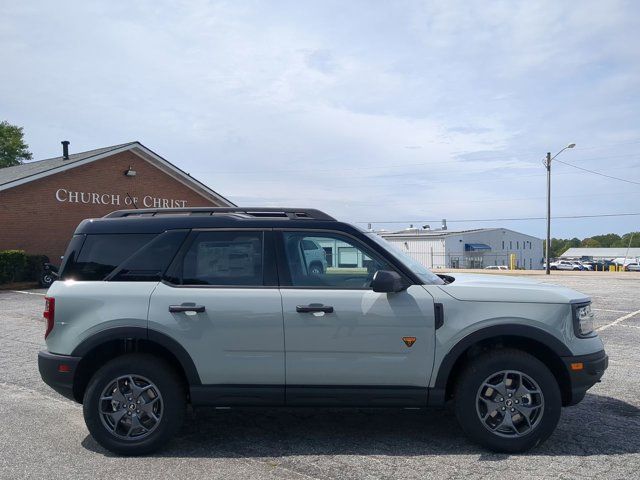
<point x="160" y="220"/>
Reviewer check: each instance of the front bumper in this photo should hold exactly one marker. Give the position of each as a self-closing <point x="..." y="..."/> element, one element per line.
<point x="58" y="371"/>
<point x="582" y="379"/>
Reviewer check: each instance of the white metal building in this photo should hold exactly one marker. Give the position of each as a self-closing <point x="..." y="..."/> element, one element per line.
<point x="477" y="248"/>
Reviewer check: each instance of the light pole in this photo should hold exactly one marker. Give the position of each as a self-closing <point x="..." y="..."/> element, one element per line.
<point x="547" y="164"/>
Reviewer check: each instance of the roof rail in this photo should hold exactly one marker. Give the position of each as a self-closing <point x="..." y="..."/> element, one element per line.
<point x="255" y="212"/>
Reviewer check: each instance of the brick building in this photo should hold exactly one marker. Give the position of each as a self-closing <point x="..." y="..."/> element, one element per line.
<point x="42" y="202"/>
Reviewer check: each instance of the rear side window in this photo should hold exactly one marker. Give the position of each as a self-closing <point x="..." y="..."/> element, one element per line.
<point x="150" y="261"/>
<point x="224" y="259"/>
<point x="101" y="254"/>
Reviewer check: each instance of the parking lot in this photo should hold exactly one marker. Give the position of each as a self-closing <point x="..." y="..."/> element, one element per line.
<point x="43" y="435"/>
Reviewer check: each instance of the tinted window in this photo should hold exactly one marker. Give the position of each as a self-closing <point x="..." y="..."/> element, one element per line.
<point x="150" y="262"/>
<point x="338" y="263"/>
<point x="101" y="254"/>
<point x="224" y="258"/>
<point x="309" y="245"/>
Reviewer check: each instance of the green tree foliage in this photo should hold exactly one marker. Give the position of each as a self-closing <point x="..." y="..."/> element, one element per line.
<point x="13" y="150"/>
<point x="561" y="245"/>
<point x="590" y="242"/>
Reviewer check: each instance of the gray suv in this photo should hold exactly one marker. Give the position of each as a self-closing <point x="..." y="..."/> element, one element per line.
<point x="158" y="309"/>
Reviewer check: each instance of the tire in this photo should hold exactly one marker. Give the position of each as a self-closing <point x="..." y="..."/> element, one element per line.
<point x="46" y="280"/>
<point x="492" y="433"/>
<point x="553" y="268"/>
<point x="316" y="269"/>
<point x="165" y="396"/>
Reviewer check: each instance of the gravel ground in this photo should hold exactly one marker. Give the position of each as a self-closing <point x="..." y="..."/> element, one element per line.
<point x="43" y="435"/>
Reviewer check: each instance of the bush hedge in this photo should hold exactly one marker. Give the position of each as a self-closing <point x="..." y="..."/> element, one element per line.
<point x="17" y="266"/>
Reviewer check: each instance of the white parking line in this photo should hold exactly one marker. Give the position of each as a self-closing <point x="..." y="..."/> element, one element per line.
<point x="617" y="321"/>
<point x="607" y="310"/>
<point x="28" y="293"/>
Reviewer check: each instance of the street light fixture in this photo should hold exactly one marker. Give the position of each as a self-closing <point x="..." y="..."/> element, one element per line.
<point x="547" y="164"/>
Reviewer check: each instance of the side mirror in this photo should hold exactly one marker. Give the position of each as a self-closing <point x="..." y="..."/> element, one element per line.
<point x="387" y="281"/>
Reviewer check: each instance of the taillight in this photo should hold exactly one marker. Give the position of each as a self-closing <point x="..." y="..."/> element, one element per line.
<point x="49" y="314"/>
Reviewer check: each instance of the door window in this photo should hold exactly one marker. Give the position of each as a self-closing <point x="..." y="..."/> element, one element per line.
<point x="353" y="268"/>
<point x="224" y="258"/>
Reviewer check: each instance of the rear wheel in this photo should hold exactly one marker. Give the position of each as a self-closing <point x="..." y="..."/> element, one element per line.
<point x="134" y="404"/>
<point x="316" y="269"/>
<point x="508" y="401"/>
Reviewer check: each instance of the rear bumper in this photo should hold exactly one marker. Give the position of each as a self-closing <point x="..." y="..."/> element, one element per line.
<point x="582" y="379"/>
<point x="58" y="371"/>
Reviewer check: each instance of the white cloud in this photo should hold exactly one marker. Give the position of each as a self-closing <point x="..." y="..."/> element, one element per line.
<point x="403" y="110"/>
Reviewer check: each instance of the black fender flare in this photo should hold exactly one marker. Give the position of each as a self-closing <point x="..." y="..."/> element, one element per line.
<point x="141" y="333"/>
<point x="437" y="393"/>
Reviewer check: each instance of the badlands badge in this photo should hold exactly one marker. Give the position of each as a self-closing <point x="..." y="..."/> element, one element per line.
<point x="409" y="341"/>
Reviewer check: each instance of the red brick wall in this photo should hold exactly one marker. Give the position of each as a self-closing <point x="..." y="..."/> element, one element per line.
<point x="32" y="219"/>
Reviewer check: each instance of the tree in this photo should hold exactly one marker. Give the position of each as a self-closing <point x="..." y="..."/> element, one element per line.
<point x="590" y="243"/>
<point x="13" y="150"/>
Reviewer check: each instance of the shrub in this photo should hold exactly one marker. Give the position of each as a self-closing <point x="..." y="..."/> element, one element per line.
<point x="33" y="268"/>
<point x="12" y="265"/>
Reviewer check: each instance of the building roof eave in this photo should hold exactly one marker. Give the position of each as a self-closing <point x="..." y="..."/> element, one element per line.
<point x="135" y="147"/>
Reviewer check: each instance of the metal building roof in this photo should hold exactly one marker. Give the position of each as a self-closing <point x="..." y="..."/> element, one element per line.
<point x="18" y="172"/>
<point x="610" y="252"/>
<point x="422" y="233"/>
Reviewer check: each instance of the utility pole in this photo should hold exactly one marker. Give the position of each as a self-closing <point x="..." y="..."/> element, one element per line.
<point x="547" y="164"/>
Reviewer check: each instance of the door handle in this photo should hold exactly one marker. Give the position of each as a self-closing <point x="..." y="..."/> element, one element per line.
<point x="314" y="307"/>
<point x="186" y="308"/>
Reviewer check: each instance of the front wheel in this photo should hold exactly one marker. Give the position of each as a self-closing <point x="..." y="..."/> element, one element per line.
<point x="508" y="401"/>
<point x="134" y="404"/>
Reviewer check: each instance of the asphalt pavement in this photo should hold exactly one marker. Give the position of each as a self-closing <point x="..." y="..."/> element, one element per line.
<point x="42" y="435"/>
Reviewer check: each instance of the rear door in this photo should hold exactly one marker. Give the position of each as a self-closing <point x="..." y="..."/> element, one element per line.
<point x="221" y="303"/>
<point x="345" y="343"/>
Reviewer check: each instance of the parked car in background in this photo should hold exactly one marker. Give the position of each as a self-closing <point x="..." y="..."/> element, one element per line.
<point x="564" y="265"/>
<point x="632" y="267"/>
<point x="496" y="267"/>
<point x="315" y="257"/>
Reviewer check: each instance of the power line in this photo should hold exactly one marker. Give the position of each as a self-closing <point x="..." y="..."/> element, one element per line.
<point x="598" y="173"/>
<point x="525" y="162"/>
<point x="508" y="219"/>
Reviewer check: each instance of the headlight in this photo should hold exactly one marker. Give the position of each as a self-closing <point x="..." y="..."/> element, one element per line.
<point x="582" y="319"/>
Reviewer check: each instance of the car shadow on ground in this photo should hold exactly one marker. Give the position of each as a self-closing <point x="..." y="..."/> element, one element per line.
<point x="597" y="426"/>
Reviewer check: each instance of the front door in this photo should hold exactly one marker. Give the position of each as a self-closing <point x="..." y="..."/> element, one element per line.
<point x="222" y="305"/>
<point x="346" y="344"/>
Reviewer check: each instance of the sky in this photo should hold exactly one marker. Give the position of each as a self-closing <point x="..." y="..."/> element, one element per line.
<point x="390" y="113"/>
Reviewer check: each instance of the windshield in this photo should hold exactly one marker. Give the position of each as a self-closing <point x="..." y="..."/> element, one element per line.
<point x="426" y="275"/>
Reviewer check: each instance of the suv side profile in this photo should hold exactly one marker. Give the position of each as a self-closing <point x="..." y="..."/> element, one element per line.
<point x="158" y="309"/>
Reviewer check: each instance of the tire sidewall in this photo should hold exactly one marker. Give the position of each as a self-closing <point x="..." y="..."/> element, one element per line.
<point x="482" y="368"/>
<point x="173" y="398"/>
